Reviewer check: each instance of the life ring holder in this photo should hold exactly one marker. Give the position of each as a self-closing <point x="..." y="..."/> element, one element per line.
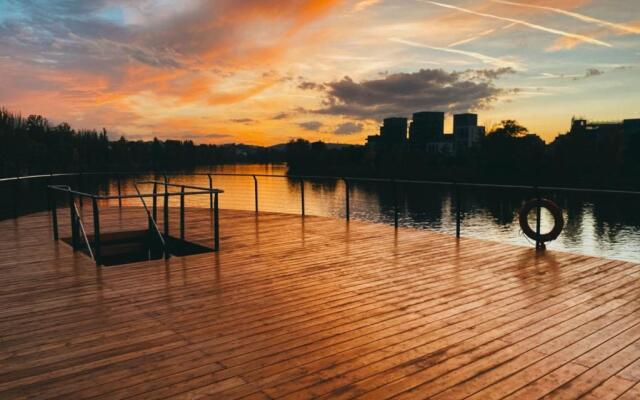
<point x="556" y="213"/>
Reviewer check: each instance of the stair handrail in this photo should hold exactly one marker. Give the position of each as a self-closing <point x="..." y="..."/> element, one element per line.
<point x="76" y="213"/>
<point x="82" y="230"/>
<point x="153" y="222"/>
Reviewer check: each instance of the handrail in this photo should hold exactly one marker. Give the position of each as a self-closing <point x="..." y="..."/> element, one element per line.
<point x="153" y="222"/>
<point x="321" y="177"/>
<point x="84" y="233"/>
<point x="456" y="187"/>
<point x="80" y="223"/>
<point x="133" y="196"/>
<point x="206" y="190"/>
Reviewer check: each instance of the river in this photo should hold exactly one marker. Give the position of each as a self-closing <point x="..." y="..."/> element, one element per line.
<point x="600" y="225"/>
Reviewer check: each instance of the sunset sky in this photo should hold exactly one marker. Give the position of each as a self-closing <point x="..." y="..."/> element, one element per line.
<point x="263" y="72"/>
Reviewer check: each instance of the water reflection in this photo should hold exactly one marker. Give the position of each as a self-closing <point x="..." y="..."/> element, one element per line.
<point x="602" y="225"/>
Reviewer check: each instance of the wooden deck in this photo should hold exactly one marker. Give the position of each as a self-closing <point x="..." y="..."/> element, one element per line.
<point x="295" y="308"/>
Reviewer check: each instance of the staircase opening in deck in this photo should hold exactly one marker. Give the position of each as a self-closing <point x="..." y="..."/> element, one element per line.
<point x="119" y="248"/>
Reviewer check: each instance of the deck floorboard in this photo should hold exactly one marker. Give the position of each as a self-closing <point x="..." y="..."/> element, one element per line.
<point x="313" y="307"/>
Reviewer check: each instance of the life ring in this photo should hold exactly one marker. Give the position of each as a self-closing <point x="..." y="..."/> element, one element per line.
<point x="556" y="212"/>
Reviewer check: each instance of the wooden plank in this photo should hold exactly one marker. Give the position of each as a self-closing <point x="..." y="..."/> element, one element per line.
<point x="297" y="307"/>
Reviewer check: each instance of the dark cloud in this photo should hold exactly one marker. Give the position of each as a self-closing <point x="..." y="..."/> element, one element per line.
<point x="307" y="85"/>
<point x="311" y="125"/>
<point x="490" y="74"/>
<point x="242" y="120"/>
<point x="593" y="72"/>
<point x="349" y="128"/>
<point x="282" y="115"/>
<point x="403" y="93"/>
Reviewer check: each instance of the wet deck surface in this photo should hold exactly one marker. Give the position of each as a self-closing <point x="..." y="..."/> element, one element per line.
<point x="294" y="308"/>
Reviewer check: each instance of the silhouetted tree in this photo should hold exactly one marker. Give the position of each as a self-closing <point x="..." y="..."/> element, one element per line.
<point x="510" y="128"/>
<point x="32" y="145"/>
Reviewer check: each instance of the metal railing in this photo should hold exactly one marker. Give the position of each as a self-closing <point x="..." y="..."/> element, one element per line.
<point x="153" y="227"/>
<point x="457" y="189"/>
<point x="77" y="226"/>
<point x="151" y="216"/>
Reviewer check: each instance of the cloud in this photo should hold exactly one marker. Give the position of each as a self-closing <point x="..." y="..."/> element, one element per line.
<point x="559" y="32"/>
<point x="307" y="85"/>
<point x="489" y="74"/>
<point x="281" y="115"/>
<point x="207" y="41"/>
<point x="364" y="4"/>
<point x="403" y="93"/>
<point x="311" y="125"/>
<point x="242" y="120"/>
<point x="590" y="73"/>
<point x="349" y="128"/>
<point x="593" y="72"/>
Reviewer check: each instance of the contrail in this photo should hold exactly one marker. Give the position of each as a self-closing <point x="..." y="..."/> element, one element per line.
<point x="581" y="17"/>
<point x="478" y="56"/>
<point x="472" y="38"/>
<point x="583" y="38"/>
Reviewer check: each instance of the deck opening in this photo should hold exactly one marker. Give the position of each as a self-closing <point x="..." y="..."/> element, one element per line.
<point x="119" y="248"/>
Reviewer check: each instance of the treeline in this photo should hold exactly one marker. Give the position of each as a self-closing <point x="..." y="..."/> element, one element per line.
<point x="32" y="145"/>
<point x="507" y="155"/>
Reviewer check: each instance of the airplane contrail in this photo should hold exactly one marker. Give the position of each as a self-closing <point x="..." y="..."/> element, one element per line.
<point x="581" y="17"/>
<point x="472" y="38"/>
<point x="478" y="56"/>
<point x="576" y="36"/>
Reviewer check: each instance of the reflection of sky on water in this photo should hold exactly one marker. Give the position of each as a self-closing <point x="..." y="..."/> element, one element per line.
<point x="601" y="226"/>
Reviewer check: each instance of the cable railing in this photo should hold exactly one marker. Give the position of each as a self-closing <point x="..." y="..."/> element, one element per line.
<point x="255" y="191"/>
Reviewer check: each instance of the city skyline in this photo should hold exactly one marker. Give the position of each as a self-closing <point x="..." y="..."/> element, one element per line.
<point x="262" y="73"/>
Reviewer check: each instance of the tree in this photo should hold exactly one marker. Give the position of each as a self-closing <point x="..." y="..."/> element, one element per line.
<point x="510" y="128"/>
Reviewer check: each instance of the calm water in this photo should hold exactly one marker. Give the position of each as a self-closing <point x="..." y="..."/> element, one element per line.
<point x="601" y="225"/>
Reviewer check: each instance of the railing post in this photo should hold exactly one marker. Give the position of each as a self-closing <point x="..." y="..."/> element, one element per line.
<point x="155" y="201"/>
<point x="395" y="204"/>
<point x="166" y="209"/>
<point x="216" y="224"/>
<point x="80" y="189"/>
<point x="210" y="192"/>
<point x="458" y="207"/>
<point x="539" y="243"/>
<point x="347" y="193"/>
<point x="54" y="213"/>
<point x="48" y="192"/>
<point x="302" y="196"/>
<point x="96" y="230"/>
<point x="182" y="213"/>
<point x="16" y="191"/>
<point x="119" y="190"/>
<point x="255" y="192"/>
<point x="74" y="226"/>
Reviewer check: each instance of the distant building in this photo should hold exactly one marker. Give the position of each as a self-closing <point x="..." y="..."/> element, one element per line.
<point x="426" y="133"/>
<point x="426" y="126"/>
<point x="631" y="127"/>
<point x="464" y="120"/>
<point x="597" y="130"/>
<point x="373" y="140"/>
<point x="445" y="146"/>
<point x="394" y="130"/>
<point x="466" y="132"/>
